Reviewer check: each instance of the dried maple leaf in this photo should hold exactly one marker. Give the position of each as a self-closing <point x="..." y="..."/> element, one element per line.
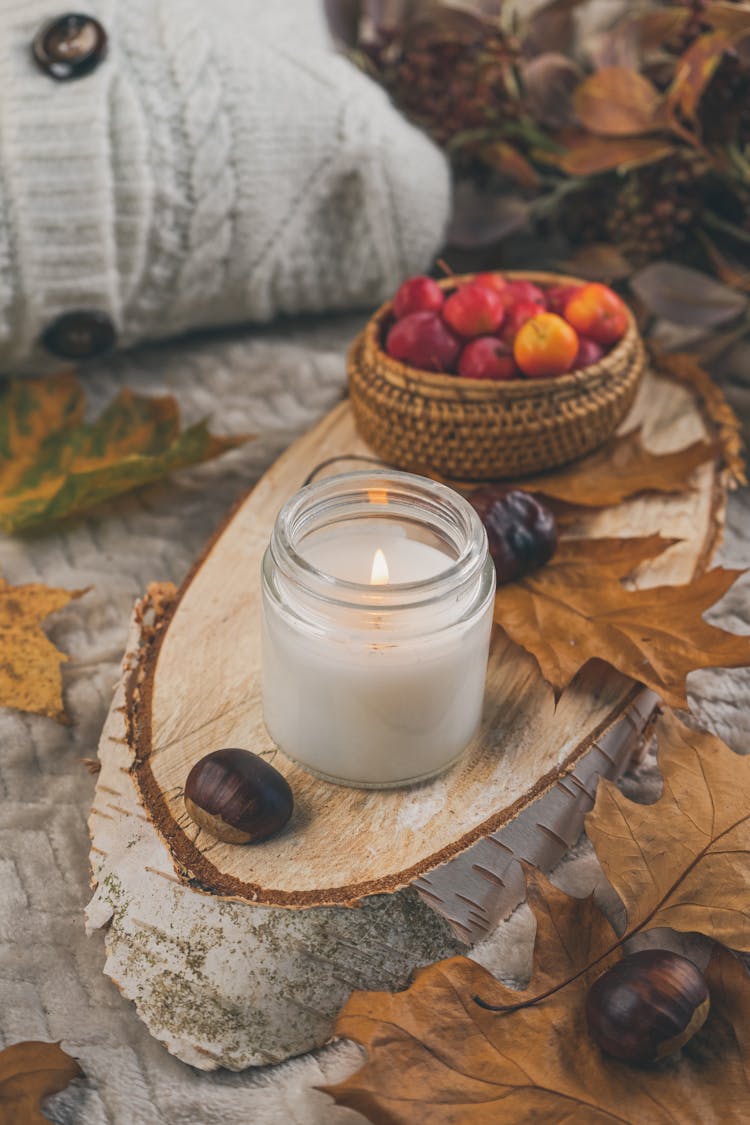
<point x="53" y="464"/>
<point x="29" y="1072"/>
<point x="619" y="470"/>
<point x="575" y="609"/>
<point x="30" y="677"/>
<point x="434" y="1054"/>
<point x="684" y="861"/>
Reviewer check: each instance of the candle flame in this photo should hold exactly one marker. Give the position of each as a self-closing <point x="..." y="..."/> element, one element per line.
<point x="379" y="576"/>
<point x="377" y="495"/>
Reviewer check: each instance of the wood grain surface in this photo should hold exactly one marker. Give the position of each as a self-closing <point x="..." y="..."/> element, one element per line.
<point x="197" y="687"/>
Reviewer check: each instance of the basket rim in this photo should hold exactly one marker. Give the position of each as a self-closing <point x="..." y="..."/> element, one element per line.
<point x="414" y="378"/>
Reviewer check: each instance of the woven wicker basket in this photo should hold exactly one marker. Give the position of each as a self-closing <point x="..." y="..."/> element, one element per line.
<point x="479" y="430"/>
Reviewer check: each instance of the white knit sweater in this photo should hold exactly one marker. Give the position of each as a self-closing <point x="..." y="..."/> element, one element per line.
<point x="222" y="164"/>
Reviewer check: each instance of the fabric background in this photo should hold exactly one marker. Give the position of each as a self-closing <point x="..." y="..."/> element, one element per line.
<point x="51" y="985"/>
<point x="221" y="165"/>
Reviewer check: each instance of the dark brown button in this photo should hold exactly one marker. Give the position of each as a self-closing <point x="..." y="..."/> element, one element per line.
<point x="80" y="335"/>
<point x="70" y="46"/>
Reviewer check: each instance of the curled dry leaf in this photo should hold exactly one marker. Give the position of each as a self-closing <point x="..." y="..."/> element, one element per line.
<point x="575" y="609"/>
<point x="620" y="469"/>
<point x="617" y="102"/>
<point x="435" y="1055"/>
<point x="653" y="28"/>
<point x="549" y="81"/>
<point x="29" y="1072"/>
<point x="53" y="464"/>
<point x="729" y="15"/>
<point x="586" y="155"/>
<point x="30" y="677"/>
<point x="508" y="161"/>
<point x="696" y="68"/>
<point x="686" y="296"/>
<point x="684" y="861"/>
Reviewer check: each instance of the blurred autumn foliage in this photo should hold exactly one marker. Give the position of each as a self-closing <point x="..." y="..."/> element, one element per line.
<point x="607" y="136"/>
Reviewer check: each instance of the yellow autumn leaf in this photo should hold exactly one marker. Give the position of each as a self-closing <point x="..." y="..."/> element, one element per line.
<point x="30" y="678"/>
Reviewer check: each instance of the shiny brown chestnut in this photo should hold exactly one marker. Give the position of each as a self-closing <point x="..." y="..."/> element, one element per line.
<point x="237" y="796"/>
<point x="522" y="531"/>
<point x="647" y="1006"/>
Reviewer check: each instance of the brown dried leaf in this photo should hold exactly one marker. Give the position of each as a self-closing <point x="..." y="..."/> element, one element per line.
<point x="620" y="469"/>
<point x="733" y="16"/>
<point x="587" y="155"/>
<point x="617" y="102"/>
<point x="575" y="609"/>
<point x="29" y="1072"/>
<point x="653" y="28"/>
<point x="435" y="1055"/>
<point x="695" y="70"/>
<point x="598" y="261"/>
<point x="508" y="161"/>
<point x="684" y="861"/>
<point x="30" y="677"/>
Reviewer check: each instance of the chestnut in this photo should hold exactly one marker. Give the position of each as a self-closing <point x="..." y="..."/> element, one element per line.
<point x="522" y="531"/>
<point x="237" y="796"/>
<point x="647" y="1005"/>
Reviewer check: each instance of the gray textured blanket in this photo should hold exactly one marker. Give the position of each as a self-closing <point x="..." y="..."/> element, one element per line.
<point x="275" y="384"/>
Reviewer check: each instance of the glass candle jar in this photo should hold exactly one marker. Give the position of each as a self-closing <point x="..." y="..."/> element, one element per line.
<point x="377" y="609"/>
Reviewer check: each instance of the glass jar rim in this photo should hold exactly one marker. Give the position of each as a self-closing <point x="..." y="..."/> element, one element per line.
<point x="453" y="517"/>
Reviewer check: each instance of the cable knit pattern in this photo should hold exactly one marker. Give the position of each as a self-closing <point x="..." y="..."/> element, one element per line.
<point x="221" y="165"/>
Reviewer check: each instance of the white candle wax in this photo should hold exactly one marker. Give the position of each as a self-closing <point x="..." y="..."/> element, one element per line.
<point x="352" y="556"/>
<point x="366" y="685"/>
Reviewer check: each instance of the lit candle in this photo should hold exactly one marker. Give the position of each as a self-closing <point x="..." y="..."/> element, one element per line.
<point x="377" y="610"/>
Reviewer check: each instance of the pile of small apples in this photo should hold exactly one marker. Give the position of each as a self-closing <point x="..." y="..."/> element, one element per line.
<point x="492" y="328"/>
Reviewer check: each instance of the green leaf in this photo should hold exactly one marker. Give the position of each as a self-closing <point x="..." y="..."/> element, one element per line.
<point x="53" y="464"/>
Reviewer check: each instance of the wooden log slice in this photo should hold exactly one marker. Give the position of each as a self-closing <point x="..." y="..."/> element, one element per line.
<point x="223" y="983"/>
<point x="196" y="687"/>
